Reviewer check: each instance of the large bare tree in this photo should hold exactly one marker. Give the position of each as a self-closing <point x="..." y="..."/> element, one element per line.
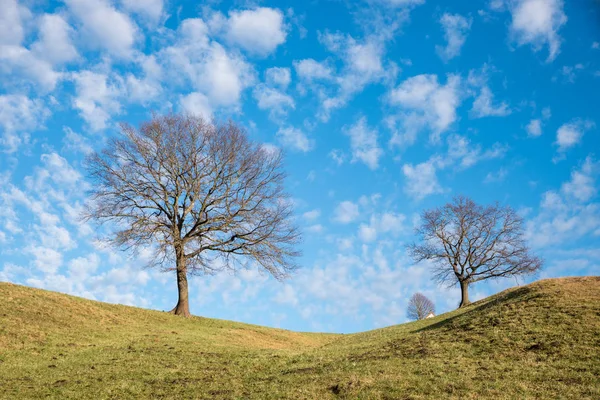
<point x="467" y="242"/>
<point x="200" y="194"/>
<point x="419" y="307"/>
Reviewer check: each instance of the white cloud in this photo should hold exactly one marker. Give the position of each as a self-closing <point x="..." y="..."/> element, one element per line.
<point x="104" y="26"/>
<point x="399" y="3"/>
<point x="424" y="104"/>
<point x="388" y="224"/>
<point x="570" y="213"/>
<point x="295" y="139"/>
<point x="582" y="184"/>
<point x="346" y="212"/>
<point x="363" y="143"/>
<point x="337" y="156"/>
<point x="546" y="113"/>
<point x="493" y="177"/>
<point x="75" y="142"/>
<point x="272" y="99"/>
<point x="312" y="215"/>
<point x="257" y="31"/>
<point x="421" y="180"/>
<point x="12" y="31"/>
<point x="537" y="22"/>
<point x="18" y="61"/>
<point x="287" y="295"/>
<point x="146" y="88"/>
<point x="363" y="64"/>
<point x="45" y="259"/>
<point x="59" y="169"/>
<point x="455" y="28"/>
<point x="194" y="60"/>
<point x="97" y="98"/>
<point x="197" y="104"/>
<point x="465" y="154"/>
<point x="151" y="9"/>
<point x="569" y="73"/>
<point x="19" y="113"/>
<point x="483" y="106"/>
<point x="277" y="76"/>
<point x="310" y="69"/>
<point x="55" y="40"/>
<point x="570" y="134"/>
<point x="534" y="128"/>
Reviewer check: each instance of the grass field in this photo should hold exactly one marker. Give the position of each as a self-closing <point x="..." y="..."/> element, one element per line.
<point x="537" y="341"/>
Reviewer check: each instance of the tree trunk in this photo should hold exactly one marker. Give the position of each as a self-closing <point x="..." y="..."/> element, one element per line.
<point x="464" y="291"/>
<point x="183" y="305"/>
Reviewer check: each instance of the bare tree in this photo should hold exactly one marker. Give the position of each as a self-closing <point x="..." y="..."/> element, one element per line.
<point x="200" y="194"/>
<point x="467" y="243"/>
<point x="419" y="307"/>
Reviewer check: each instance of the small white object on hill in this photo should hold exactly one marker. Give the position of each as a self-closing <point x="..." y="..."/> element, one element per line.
<point x="430" y="315"/>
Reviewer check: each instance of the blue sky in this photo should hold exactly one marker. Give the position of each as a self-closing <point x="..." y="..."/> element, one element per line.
<point x="383" y="107"/>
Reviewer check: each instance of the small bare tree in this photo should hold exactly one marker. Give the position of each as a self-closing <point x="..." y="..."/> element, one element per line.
<point x="200" y="194"/>
<point x="467" y="243"/>
<point x="419" y="307"/>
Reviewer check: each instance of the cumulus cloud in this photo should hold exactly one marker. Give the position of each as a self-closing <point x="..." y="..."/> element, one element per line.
<point x="570" y="134"/>
<point x="534" y="128"/>
<point x="456" y="27"/>
<point x="35" y="65"/>
<point x="150" y="9"/>
<point x="146" y="86"/>
<point x="309" y="69"/>
<point x="484" y="105"/>
<point x="424" y="104"/>
<point x="45" y="259"/>
<point x="274" y="100"/>
<point x="421" y="179"/>
<point x="197" y="61"/>
<point x="570" y="213"/>
<point x="398" y="3"/>
<point x="104" y="27"/>
<point x="17" y="61"/>
<point x="196" y="104"/>
<point x="464" y="154"/>
<point x="12" y="31"/>
<point x="363" y="64"/>
<point x="97" y="98"/>
<point x="19" y="113"/>
<point x="494" y="177"/>
<point x="312" y="215"/>
<point x="277" y="76"/>
<point x="363" y="143"/>
<point x="55" y="43"/>
<point x="582" y="186"/>
<point x="537" y="23"/>
<point x="346" y="212"/>
<point x="386" y="224"/>
<point x="294" y="139"/>
<point x="259" y="31"/>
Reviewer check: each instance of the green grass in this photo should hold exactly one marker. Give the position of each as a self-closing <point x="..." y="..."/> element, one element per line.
<point x="537" y="341"/>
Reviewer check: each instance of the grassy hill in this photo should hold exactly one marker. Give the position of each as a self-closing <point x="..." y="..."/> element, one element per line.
<point x="537" y="341"/>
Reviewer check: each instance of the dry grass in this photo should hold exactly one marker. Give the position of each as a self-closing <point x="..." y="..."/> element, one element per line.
<point x="538" y="341"/>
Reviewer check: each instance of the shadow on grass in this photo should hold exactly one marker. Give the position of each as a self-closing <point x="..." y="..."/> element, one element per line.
<point x="480" y="307"/>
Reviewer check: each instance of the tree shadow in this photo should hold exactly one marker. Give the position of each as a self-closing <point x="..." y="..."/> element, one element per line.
<point x="479" y="308"/>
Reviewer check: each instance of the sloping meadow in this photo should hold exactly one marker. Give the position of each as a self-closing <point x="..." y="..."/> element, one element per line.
<point x="535" y="341"/>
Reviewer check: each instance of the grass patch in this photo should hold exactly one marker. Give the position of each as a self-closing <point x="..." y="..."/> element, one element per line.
<point x="537" y="341"/>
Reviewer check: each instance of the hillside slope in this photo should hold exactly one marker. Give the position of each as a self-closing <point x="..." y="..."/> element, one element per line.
<point x="535" y="341"/>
